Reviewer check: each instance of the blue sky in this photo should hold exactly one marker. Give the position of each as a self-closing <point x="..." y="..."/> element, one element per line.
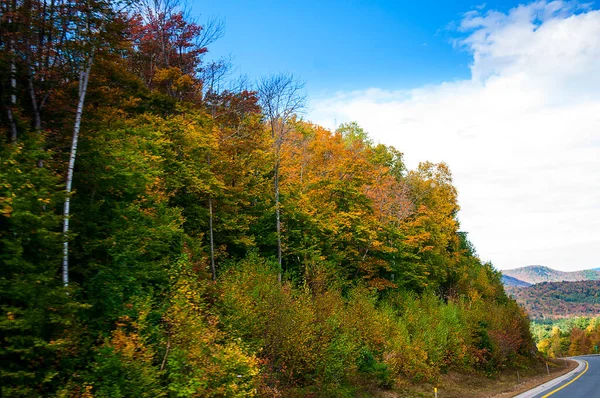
<point x="507" y="94"/>
<point x="345" y="45"/>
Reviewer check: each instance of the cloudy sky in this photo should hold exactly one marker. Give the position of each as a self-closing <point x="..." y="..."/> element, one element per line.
<point x="507" y="95"/>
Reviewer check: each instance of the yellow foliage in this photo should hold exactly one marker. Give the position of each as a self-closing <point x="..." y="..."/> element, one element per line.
<point x="217" y="367"/>
<point x="127" y="342"/>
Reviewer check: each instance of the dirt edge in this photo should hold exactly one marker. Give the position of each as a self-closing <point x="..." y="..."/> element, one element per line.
<point x="535" y="381"/>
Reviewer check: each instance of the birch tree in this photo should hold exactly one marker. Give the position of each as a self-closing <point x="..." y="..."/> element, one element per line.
<point x="8" y="31"/>
<point x="91" y="24"/>
<point x="281" y="98"/>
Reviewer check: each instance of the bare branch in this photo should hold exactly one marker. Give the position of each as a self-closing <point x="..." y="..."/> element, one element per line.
<point x="212" y="30"/>
<point x="214" y="74"/>
<point x="281" y="97"/>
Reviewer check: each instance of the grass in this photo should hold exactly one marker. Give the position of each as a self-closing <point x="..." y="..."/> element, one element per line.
<point x="503" y="385"/>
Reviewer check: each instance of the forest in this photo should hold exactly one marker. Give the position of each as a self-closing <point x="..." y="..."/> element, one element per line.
<point x="556" y="300"/>
<point x="168" y="230"/>
<point x="567" y="337"/>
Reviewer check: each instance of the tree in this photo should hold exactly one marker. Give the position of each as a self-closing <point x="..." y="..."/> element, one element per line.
<point x="44" y="51"/>
<point x="345" y="200"/>
<point x="34" y="311"/>
<point x="241" y="141"/>
<point x="168" y="162"/>
<point x="281" y="98"/>
<point x="430" y="248"/>
<point x="213" y="76"/>
<point x="8" y="34"/>
<point x="168" y="47"/>
<point x="91" y="19"/>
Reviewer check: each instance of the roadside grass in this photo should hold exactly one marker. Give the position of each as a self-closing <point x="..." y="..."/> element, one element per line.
<point x="506" y="384"/>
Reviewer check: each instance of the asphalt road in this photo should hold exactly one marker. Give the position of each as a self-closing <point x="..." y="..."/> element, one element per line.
<point x="585" y="383"/>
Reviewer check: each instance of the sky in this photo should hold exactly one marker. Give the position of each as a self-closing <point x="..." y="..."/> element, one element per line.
<point x="506" y="93"/>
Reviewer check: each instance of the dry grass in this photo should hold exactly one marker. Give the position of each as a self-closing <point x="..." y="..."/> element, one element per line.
<point x="504" y="385"/>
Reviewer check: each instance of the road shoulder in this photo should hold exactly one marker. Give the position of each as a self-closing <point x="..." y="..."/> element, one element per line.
<point x="554" y="382"/>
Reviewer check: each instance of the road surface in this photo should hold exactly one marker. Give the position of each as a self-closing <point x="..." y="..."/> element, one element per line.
<point x="583" y="382"/>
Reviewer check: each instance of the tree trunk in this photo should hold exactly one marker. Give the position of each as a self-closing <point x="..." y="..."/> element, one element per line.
<point x="210" y="226"/>
<point x="164" y="361"/>
<point x="13" y="92"/>
<point x="83" y="83"/>
<point x="212" y="241"/>
<point x="13" y="125"/>
<point x="280" y="99"/>
<point x="37" y="119"/>
<point x="278" y="218"/>
<point x="36" y="108"/>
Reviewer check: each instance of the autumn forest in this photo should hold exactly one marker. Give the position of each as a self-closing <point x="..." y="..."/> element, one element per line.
<point x="169" y="230"/>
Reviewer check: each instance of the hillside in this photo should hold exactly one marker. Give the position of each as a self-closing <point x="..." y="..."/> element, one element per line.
<point x="536" y="274"/>
<point x="510" y="281"/>
<point x="555" y="300"/>
<point x="197" y="241"/>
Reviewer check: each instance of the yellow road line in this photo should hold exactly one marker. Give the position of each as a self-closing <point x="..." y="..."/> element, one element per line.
<point x="563" y="386"/>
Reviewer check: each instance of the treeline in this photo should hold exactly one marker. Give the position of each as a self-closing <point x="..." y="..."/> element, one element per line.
<point x="555" y="300"/>
<point x="568" y="337"/>
<point x="161" y="235"/>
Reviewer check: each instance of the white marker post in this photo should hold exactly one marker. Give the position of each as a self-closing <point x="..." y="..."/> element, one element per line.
<point x="435" y="391"/>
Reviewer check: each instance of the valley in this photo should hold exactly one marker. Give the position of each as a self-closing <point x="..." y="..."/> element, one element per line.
<point x="564" y="308"/>
<point x="548" y="294"/>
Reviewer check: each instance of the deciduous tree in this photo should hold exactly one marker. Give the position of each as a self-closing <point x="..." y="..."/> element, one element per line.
<point x="281" y="99"/>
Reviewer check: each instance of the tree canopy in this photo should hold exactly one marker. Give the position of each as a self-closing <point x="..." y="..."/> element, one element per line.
<point x="218" y="244"/>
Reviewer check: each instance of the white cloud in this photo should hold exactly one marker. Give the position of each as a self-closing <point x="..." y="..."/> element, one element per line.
<point x="522" y="136"/>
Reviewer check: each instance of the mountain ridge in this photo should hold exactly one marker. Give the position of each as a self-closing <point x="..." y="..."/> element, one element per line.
<point x="534" y="274"/>
<point x="510" y="281"/>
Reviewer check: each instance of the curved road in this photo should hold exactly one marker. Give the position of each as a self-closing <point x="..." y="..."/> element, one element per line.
<point x="582" y="383"/>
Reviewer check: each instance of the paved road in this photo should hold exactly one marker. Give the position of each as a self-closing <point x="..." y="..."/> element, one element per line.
<point x="584" y="383"/>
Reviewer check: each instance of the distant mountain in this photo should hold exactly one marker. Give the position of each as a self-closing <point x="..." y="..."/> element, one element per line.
<point x="554" y="300"/>
<point x="510" y="281"/>
<point x="537" y="274"/>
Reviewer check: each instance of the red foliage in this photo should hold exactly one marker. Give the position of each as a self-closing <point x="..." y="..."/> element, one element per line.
<point x="165" y="40"/>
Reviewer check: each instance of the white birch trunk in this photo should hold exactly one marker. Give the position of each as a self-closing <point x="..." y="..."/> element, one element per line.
<point x="13" y="93"/>
<point x="83" y="83"/>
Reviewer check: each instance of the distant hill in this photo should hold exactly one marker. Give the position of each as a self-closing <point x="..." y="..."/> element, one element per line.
<point x="554" y="300"/>
<point x="510" y="281"/>
<point x="537" y="274"/>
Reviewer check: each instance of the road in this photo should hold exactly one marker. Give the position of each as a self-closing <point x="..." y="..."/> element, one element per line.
<point x="584" y="382"/>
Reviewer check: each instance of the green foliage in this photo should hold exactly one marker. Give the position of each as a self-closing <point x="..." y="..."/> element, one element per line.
<point x="353" y="134"/>
<point x="120" y="374"/>
<point x="380" y="286"/>
<point x="34" y="309"/>
<point x="200" y="359"/>
<point x="316" y="335"/>
<point x="567" y="336"/>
